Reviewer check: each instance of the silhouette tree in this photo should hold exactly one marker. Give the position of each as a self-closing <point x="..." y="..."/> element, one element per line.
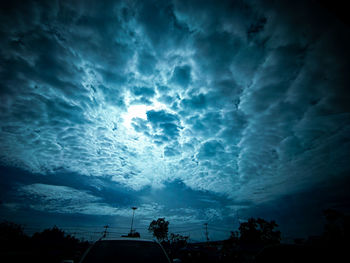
<point x="12" y="235"/>
<point x="178" y="240"/>
<point x="259" y="231"/>
<point x="234" y="238"/>
<point x="9" y="231"/>
<point x="174" y="245"/>
<point x="229" y="244"/>
<point x="50" y="245"/>
<point x="159" y="229"/>
<point x="54" y="244"/>
<point x="337" y="227"/>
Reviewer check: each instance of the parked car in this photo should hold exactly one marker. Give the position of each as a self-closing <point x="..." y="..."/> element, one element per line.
<point x="125" y="250"/>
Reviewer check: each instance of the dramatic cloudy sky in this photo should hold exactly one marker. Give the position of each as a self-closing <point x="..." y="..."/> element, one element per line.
<point x="197" y="111"/>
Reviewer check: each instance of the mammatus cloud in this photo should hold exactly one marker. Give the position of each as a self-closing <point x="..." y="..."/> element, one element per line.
<point x="237" y="98"/>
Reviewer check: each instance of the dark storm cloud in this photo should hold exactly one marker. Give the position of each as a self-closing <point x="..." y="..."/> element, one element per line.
<point x="210" y="149"/>
<point x="206" y="125"/>
<point x="140" y="125"/>
<point x="168" y="100"/>
<point x="164" y="124"/>
<point x="55" y="62"/>
<point x="181" y="76"/>
<point x="215" y="52"/>
<point x="239" y="98"/>
<point x="159" y="117"/>
<point x="143" y="91"/>
<point x="160" y="25"/>
<point x="195" y="102"/>
<point x="169" y="151"/>
<point x="146" y="63"/>
<point x="142" y="95"/>
<point x="286" y="106"/>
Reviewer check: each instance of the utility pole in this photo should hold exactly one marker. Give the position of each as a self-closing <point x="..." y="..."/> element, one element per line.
<point x="206" y="232"/>
<point x="132" y="220"/>
<point x="105" y="231"/>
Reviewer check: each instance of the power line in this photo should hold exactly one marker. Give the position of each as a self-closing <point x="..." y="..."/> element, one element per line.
<point x="188" y="230"/>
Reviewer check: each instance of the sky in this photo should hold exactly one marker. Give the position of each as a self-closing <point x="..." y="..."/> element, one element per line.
<point x="196" y="111"/>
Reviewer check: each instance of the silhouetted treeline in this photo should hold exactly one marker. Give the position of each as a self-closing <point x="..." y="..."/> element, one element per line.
<point x="251" y="237"/>
<point x="256" y="240"/>
<point x="337" y="228"/>
<point x="50" y="245"/>
<point x="331" y="246"/>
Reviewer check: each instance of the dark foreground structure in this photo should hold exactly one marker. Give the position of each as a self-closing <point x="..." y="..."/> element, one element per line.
<point x="256" y="241"/>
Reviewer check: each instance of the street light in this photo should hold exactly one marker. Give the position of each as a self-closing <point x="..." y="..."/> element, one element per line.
<point x="132" y="220"/>
<point x="206" y="232"/>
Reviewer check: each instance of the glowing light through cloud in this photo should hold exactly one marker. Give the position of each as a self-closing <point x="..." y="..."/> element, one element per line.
<point x="135" y="111"/>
